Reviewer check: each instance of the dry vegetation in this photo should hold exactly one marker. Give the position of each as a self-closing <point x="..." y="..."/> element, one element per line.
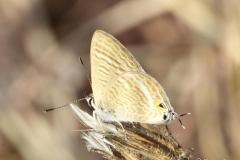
<point x="191" y="47"/>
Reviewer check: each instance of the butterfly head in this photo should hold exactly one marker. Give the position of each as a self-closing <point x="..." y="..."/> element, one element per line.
<point x="166" y="113"/>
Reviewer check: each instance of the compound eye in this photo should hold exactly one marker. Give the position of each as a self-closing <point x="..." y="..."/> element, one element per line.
<point x="164" y="117"/>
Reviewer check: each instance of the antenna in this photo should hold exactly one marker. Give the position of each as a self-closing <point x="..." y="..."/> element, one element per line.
<point x="85" y="69"/>
<point x="181" y="115"/>
<point x="75" y="101"/>
<point x="65" y="105"/>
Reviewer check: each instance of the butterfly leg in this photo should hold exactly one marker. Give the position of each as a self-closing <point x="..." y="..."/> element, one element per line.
<point x="132" y="123"/>
<point x="167" y="128"/>
<point x="107" y="128"/>
<point x="120" y="124"/>
<point x="97" y="118"/>
<point x="124" y="131"/>
<point x="83" y="130"/>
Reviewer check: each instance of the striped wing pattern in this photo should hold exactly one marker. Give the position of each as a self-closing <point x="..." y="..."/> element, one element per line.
<point x="136" y="95"/>
<point x="109" y="59"/>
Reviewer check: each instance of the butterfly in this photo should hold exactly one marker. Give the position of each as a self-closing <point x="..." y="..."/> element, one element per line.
<point x="121" y="89"/>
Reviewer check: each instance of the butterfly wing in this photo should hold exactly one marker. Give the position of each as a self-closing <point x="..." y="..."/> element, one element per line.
<point x="109" y="59"/>
<point x="134" y="96"/>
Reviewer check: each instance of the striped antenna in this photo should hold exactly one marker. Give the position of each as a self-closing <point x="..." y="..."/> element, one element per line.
<point x="65" y="105"/>
<point x="85" y="70"/>
<point x="181" y="115"/>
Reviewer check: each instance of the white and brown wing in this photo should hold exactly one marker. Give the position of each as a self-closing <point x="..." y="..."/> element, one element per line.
<point x="134" y="96"/>
<point x="109" y="59"/>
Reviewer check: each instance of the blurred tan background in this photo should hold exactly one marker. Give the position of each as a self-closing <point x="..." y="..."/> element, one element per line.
<point x="191" y="47"/>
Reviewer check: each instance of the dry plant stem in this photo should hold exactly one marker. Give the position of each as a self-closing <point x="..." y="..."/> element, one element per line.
<point x="130" y="141"/>
<point x="143" y="141"/>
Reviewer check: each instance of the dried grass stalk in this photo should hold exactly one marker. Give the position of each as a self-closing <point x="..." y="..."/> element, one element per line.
<point x="127" y="141"/>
